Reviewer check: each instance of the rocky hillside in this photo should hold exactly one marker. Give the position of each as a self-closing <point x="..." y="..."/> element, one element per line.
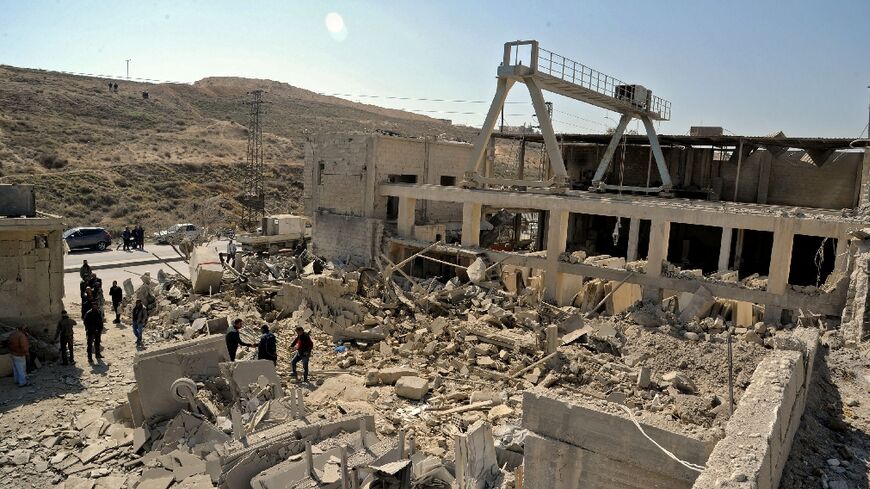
<point x="105" y="158"/>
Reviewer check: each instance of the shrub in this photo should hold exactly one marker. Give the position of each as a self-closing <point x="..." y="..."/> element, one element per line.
<point x="52" y="162"/>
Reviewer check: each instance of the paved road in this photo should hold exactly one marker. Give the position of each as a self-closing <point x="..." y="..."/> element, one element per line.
<point x="94" y="257"/>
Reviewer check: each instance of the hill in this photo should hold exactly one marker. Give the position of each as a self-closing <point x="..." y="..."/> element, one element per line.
<point x="100" y="157"/>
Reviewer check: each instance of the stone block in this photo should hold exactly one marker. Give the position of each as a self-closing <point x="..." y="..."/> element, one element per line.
<point x="412" y="387"/>
<point x="206" y="270"/>
<point x="696" y="305"/>
<point x="390" y="375"/>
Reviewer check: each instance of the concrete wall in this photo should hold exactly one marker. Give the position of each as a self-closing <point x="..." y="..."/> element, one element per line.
<point x="575" y="446"/>
<point x="759" y="436"/>
<point x="339" y="237"/>
<point x="335" y="174"/>
<point x="785" y="180"/>
<point x="31" y="277"/>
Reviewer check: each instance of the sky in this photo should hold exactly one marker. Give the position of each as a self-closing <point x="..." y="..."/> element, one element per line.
<point x="752" y="67"/>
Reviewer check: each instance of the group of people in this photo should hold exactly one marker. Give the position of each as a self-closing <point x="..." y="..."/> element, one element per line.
<point x="267" y="347"/>
<point x="133" y="239"/>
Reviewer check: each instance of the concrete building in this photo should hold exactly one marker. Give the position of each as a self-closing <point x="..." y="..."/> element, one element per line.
<point x="31" y="268"/>
<point x="768" y="228"/>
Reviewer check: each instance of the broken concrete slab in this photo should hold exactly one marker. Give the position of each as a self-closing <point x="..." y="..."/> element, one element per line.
<point x="156" y="370"/>
<point x="390" y="375"/>
<point x="412" y="387"/>
<point x="243" y="373"/>
<point x="206" y="270"/>
<point x="696" y="305"/>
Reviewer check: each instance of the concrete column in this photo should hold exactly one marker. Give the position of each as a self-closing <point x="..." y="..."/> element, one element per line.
<point x="864" y="194"/>
<point x="405" y="221"/>
<point x="764" y="164"/>
<point x="471" y="224"/>
<point x="633" y="238"/>
<point x="557" y="239"/>
<point x="659" y="235"/>
<point x="725" y="249"/>
<point x="780" y="263"/>
<point x="841" y="258"/>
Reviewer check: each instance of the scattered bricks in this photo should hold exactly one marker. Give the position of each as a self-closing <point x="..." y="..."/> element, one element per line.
<point x="412" y="387"/>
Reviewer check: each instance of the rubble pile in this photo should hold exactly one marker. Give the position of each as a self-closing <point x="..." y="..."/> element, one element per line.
<point x="408" y="375"/>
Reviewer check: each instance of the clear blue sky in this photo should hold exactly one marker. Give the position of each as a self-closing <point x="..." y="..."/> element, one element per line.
<point x="754" y="67"/>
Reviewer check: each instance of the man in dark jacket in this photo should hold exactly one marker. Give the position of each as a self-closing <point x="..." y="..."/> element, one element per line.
<point x="267" y="349"/>
<point x="64" y="332"/>
<point x="140" y="237"/>
<point x="303" y="346"/>
<point x="85" y="270"/>
<point x="140" y="317"/>
<point x="117" y="295"/>
<point x="88" y="302"/>
<point x="94" y="332"/>
<point x="128" y="238"/>
<point x="234" y="339"/>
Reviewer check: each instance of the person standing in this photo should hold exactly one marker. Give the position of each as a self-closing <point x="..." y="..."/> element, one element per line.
<point x="140" y="317"/>
<point x="303" y="346"/>
<point x="127" y="236"/>
<point x="19" y="347"/>
<point x="141" y="242"/>
<point x="234" y="339"/>
<point x="267" y="349"/>
<point x="87" y="302"/>
<point x="85" y="270"/>
<point x="64" y="332"/>
<point x="117" y="295"/>
<point x="231" y="252"/>
<point x="94" y="332"/>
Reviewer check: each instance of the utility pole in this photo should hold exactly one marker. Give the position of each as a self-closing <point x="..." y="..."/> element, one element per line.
<point x="128" y="68"/>
<point x="253" y="199"/>
<point x="868" y="119"/>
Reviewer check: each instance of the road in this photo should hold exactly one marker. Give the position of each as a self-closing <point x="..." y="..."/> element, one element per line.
<point x="94" y="257"/>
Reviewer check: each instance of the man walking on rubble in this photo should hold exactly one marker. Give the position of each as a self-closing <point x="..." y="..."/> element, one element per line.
<point x="117" y="295"/>
<point x="303" y="346"/>
<point x="94" y="332"/>
<point x="267" y="349"/>
<point x="140" y="317"/>
<point x="19" y="347"/>
<point x="64" y="332"/>
<point x="234" y="339"/>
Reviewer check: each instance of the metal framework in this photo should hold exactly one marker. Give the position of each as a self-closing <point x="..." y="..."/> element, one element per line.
<point x="546" y="70"/>
<point x="253" y="199"/>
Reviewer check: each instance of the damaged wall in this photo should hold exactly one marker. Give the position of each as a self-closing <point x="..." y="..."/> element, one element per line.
<point x="764" y="178"/>
<point x="31" y="274"/>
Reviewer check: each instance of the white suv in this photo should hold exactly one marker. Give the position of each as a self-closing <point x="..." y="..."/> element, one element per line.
<point x="177" y="233"/>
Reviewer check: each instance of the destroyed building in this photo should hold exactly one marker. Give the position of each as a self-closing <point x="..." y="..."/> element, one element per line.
<point x="31" y="262"/>
<point x="710" y="227"/>
<point x="617" y="311"/>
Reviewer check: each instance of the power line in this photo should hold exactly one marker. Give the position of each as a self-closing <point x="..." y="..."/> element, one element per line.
<point x="422" y="99"/>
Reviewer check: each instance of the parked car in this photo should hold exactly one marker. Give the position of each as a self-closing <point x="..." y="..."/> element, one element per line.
<point x="87" y="237"/>
<point x="177" y="233"/>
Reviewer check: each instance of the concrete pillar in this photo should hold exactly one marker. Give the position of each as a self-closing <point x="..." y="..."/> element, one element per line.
<point x="764" y="163"/>
<point x="725" y="249"/>
<point x="633" y="238"/>
<point x="659" y="235"/>
<point x="780" y="263"/>
<point x="557" y="239"/>
<point x="405" y="221"/>
<point x="841" y="258"/>
<point x="471" y="224"/>
<point x="864" y="194"/>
